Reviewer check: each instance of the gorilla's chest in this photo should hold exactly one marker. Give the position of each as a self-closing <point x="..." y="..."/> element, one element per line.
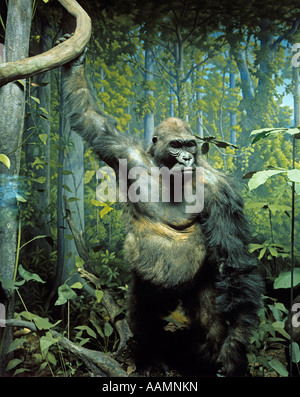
<point x="163" y="255"/>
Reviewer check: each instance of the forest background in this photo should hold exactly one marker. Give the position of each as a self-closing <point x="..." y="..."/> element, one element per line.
<point x="225" y="68"/>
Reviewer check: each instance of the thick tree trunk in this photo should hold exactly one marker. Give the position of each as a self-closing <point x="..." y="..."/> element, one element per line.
<point x="12" y="105"/>
<point x="43" y="145"/>
<point x="75" y="182"/>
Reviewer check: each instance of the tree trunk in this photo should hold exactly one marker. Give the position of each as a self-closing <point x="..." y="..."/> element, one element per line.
<point x="237" y="53"/>
<point x="172" y="106"/>
<point x="199" y="118"/>
<point x="60" y="224"/>
<point x="232" y="114"/>
<point x="296" y="97"/>
<point x="44" y="95"/>
<point x="149" y="118"/>
<point x="12" y="105"/>
<point x="74" y="182"/>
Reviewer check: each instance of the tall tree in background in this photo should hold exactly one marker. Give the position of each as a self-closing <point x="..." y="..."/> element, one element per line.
<point x="149" y="117"/>
<point x="12" y="105"/>
<point x="44" y="96"/>
<point x="73" y="184"/>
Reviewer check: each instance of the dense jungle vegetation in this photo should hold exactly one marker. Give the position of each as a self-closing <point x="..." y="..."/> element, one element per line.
<point x="230" y="70"/>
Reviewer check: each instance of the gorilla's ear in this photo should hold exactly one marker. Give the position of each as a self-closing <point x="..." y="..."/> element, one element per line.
<point x="154" y="139"/>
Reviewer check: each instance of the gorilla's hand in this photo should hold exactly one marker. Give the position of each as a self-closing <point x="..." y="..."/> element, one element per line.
<point x="77" y="62"/>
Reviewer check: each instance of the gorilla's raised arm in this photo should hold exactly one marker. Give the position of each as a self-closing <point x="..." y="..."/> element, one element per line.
<point x="97" y="128"/>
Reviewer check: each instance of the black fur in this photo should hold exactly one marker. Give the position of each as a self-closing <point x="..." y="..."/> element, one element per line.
<point x="199" y="260"/>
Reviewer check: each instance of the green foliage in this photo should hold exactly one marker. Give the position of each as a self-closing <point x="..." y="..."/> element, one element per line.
<point x="115" y="67"/>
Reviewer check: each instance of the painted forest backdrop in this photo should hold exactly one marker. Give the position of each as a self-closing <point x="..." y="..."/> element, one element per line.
<point x="226" y="68"/>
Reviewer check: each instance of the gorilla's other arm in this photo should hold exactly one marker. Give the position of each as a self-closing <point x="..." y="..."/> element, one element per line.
<point x="239" y="286"/>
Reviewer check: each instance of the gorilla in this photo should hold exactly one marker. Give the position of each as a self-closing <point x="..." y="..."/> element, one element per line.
<point x="187" y="244"/>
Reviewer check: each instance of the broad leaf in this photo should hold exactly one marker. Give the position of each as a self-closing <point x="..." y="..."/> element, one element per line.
<point x="108" y="330"/>
<point x="284" y="279"/>
<point x="294" y="175"/>
<point x="65" y="293"/>
<point x="279" y="367"/>
<point x="260" y="177"/>
<point x="29" y="276"/>
<point x="43" y="138"/>
<point x="47" y="341"/>
<point x="13" y="363"/>
<point x="77" y="285"/>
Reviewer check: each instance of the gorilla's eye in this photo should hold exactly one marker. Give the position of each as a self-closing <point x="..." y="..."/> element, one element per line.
<point x="175" y="144"/>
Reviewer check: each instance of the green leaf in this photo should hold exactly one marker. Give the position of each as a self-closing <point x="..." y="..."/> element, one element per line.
<point x="65" y="293"/>
<point x="43" y="109"/>
<point x="253" y="247"/>
<point x="88" y="175"/>
<point x="262" y="253"/>
<point x="279" y="367"/>
<point x="295" y="132"/>
<point x="67" y="188"/>
<point x="10" y="284"/>
<point x="21" y="370"/>
<point x="42" y="323"/>
<point x="264" y="133"/>
<point x="27" y="315"/>
<point x="22" y="82"/>
<point x="67" y="172"/>
<point x="77" y="285"/>
<point x="294" y="175"/>
<point x="97" y="327"/>
<point x="89" y="330"/>
<point x="295" y="353"/>
<point x="279" y="327"/>
<point x="20" y="198"/>
<point x="71" y="199"/>
<point x="108" y="330"/>
<point x="273" y="251"/>
<point x="51" y="358"/>
<point x="41" y="179"/>
<point x="13" y="363"/>
<point x="97" y="203"/>
<point x="43" y="138"/>
<point x="18" y="342"/>
<point x="35" y="99"/>
<point x="260" y="177"/>
<point x="5" y="160"/>
<point x="284" y="279"/>
<point x="47" y="341"/>
<point x="79" y="262"/>
<point x="99" y="295"/>
<point x="29" y="276"/>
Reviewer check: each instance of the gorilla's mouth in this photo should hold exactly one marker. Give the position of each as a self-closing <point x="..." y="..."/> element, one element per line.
<point x="183" y="169"/>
